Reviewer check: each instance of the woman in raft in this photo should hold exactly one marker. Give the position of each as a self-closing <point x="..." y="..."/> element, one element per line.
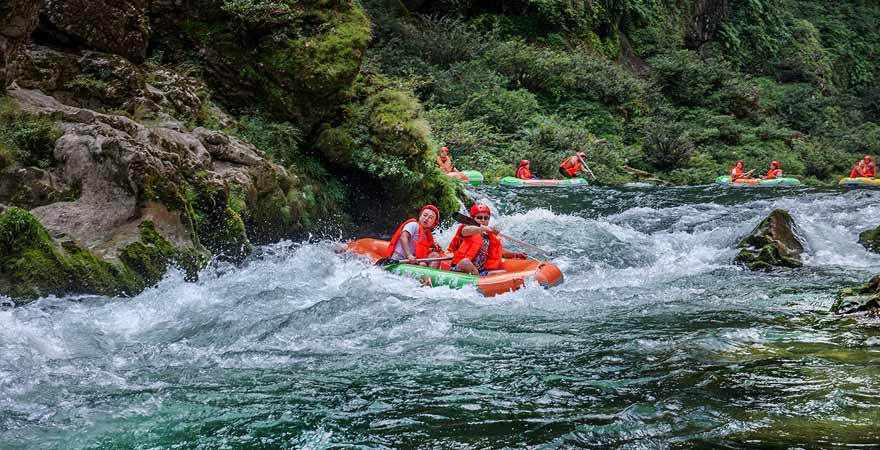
<point x="525" y="172"/>
<point x="571" y="166"/>
<point x="445" y="161"/>
<point x="870" y="170"/>
<point x="476" y="249"/>
<point x="774" y="172"/>
<point x="414" y="240"/>
<point x="736" y="172"/>
<point x="859" y="170"/>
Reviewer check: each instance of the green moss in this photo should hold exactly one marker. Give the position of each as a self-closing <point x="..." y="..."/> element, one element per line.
<point x="860" y="298"/>
<point x="871" y="239"/>
<point x="151" y="257"/>
<point x="26" y="138"/>
<point x="32" y="266"/>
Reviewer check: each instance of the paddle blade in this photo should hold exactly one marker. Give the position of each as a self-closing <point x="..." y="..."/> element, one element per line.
<point x="463" y="219"/>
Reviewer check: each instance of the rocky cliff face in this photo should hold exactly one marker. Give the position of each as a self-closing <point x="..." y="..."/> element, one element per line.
<point x="18" y="18"/>
<point x="122" y="152"/>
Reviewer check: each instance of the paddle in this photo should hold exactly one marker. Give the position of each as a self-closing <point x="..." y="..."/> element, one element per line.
<point x="389" y="261"/>
<point x="463" y="219"/>
<point x="590" y="171"/>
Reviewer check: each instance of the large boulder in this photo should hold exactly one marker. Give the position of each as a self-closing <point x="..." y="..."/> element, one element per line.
<point x="118" y="26"/>
<point x="772" y="244"/>
<point x="871" y="239"/>
<point x="18" y="18"/>
<point x="857" y="299"/>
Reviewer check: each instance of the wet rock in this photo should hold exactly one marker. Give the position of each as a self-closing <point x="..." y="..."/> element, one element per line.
<point x="18" y="18"/>
<point x="772" y="244"/>
<point x="870" y="239"/>
<point x="117" y="26"/>
<point x="857" y="299"/>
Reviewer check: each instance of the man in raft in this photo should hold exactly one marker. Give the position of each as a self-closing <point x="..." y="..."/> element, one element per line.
<point x="413" y="239"/>
<point x="476" y="249"/>
<point x="570" y="167"/>
<point x="870" y="168"/>
<point x="774" y="172"/>
<point x="445" y="161"/>
<point x="736" y="172"/>
<point x="524" y="172"/>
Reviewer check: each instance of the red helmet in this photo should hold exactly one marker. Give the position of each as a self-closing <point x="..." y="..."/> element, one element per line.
<point x="738" y="162"/>
<point x="444" y="149"/>
<point x="480" y="208"/>
<point x="434" y="210"/>
<point x="524" y="162"/>
<point x="868" y="158"/>
<point x="774" y="164"/>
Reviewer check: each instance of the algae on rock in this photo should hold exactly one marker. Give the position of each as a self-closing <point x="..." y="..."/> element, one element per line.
<point x="772" y="244"/>
<point x="870" y="239"/>
<point x="856" y="299"/>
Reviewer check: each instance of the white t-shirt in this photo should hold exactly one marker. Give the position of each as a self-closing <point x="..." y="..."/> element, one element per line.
<point x="414" y="236"/>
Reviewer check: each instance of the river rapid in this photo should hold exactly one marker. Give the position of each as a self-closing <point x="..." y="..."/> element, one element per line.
<point x="654" y="341"/>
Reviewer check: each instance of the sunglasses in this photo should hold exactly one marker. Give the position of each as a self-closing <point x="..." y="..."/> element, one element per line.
<point x="481" y="217"/>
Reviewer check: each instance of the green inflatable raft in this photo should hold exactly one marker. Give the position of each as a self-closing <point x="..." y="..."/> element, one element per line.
<point x="471" y="177"/>
<point x="512" y="182"/>
<point x="757" y="182"/>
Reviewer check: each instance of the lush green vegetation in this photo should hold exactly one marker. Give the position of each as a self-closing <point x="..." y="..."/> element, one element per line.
<point x="539" y="79"/>
<point x="25" y="138"/>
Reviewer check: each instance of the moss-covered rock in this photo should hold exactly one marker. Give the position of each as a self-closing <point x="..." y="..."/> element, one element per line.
<point x="772" y="244"/>
<point x="871" y="239"/>
<point x="32" y="265"/>
<point x="383" y="146"/>
<point x="860" y="298"/>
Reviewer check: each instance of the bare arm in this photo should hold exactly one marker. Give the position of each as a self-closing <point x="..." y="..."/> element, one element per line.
<point x="404" y="243"/>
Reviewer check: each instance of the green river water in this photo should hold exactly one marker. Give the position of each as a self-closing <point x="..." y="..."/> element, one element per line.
<point x="654" y="341"/>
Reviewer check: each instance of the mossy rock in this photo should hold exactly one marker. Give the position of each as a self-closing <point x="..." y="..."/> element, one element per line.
<point x="772" y="244"/>
<point x="33" y="266"/>
<point x="870" y="239"/>
<point x="857" y="299"/>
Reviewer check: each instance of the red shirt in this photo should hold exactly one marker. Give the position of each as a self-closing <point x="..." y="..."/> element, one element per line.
<point x="524" y="173"/>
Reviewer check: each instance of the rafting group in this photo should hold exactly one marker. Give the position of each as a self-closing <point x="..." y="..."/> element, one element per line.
<point x="476" y="256"/>
<point x="569" y="169"/>
<point x="864" y="172"/>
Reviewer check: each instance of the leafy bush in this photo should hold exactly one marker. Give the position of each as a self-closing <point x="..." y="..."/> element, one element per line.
<point x="667" y="145"/>
<point x="26" y="138"/>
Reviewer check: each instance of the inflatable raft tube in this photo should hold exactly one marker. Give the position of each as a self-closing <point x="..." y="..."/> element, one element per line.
<point x="512" y="182"/>
<point x="511" y="277"/>
<point x="860" y="182"/>
<point x="471" y="177"/>
<point x="757" y="182"/>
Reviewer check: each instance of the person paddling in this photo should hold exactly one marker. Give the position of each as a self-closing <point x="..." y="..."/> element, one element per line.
<point x="858" y="171"/>
<point x="525" y="171"/>
<point x="736" y="172"/>
<point x="572" y="165"/>
<point x="414" y="239"/>
<point x="445" y="161"/>
<point x="476" y="249"/>
<point x="870" y="168"/>
<point x="774" y="172"/>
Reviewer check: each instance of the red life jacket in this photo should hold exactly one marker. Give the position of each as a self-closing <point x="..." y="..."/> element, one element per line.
<point x="424" y="246"/>
<point x="445" y="166"/>
<point x="571" y="168"/>
<point x="467" y="247"/>
<point x="774" y="173"/>
<point x="735" y="173"/>
<point x="523" y="173"/>
<point x="870" y="170"/>
<point x="856" y="172"/>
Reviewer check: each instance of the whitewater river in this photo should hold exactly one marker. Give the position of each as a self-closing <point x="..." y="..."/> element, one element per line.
<point x="654" y="341"/>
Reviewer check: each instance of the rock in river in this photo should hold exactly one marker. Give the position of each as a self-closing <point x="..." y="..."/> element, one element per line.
<point x="772" y="244"/>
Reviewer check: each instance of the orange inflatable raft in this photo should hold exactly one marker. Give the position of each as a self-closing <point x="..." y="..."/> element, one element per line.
<point x="511" y="277"/>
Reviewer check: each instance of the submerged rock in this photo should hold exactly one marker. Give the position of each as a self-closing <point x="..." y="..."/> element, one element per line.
<point x="871" y="239"/>
<point x="772" y="244"/>
<point x="857" y="299"/>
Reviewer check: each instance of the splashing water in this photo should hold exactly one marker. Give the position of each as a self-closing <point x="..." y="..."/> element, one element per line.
<point x="655" y="340"/>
